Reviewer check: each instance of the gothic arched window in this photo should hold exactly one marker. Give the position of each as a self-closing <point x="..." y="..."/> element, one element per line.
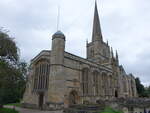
<point x="104" y="52"/>
<point x="95" y="81"/>
<point x="85" y="73"/>
<point x="92" y="52"/>
<point x="105" y="82"/>
<point x="42" y="70"/>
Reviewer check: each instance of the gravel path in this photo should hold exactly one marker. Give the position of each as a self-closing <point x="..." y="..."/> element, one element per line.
<point x="24" y="110"/>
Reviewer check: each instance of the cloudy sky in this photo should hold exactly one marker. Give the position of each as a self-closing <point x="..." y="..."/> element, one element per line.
<point x="125" y="24"/>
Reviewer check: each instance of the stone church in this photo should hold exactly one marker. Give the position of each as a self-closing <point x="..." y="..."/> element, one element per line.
<point x="58" y="79"/>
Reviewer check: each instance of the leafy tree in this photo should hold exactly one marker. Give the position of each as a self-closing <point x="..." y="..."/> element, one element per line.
<point x="12" y="71"/>
<point x="8" y="48"/>
<point x="147" y="91"/>
<point x="140" y="88"/>
<point x="22" y="71"/>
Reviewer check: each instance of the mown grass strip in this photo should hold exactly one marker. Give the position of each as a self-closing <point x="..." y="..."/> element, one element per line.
<point x="14" y="104"/>
<point x="110" y="110"/>
<point x="8" y="110"/>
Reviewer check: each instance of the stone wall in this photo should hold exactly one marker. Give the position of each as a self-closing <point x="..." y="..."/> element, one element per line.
<point x="126" y="105"/>
<point x="67" y="77"/>
<point x="130" y="105"/>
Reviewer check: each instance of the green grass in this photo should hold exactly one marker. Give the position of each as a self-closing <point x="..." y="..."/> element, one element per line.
<point x="110" y="110"/>
<point x="8" y="110"/>
<point x="14" y="104"/>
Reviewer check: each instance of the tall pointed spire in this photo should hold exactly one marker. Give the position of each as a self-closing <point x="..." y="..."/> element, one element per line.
<point x="112" y="53"/>
<point x="116" y="55"/>
<point x="97" y="34"/>
<point x="107" y="42"/>
<point x="86" y="41"/>
<point x="117" y="58"/>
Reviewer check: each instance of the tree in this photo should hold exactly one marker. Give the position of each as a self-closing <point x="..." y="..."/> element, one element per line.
<point x="140" y="88"/>
<point x="12" y="71"/>
<point x="8" y="48"/>
<point x="147" y="91"/>
<point x="22" y="71"/>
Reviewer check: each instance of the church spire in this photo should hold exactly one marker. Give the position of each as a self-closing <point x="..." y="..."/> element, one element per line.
<point x="117" y="58"/>
<point x="112" y="53"/>
<point x="97" y="34"/>
<point x="116" y="55"/>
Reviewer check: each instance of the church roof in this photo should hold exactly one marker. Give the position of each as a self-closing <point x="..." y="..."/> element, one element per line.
<point x="58" y="33"/>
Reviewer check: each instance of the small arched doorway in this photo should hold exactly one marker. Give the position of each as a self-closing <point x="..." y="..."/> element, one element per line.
<point x="116" y="93"/>
<point x="73" y="97"/>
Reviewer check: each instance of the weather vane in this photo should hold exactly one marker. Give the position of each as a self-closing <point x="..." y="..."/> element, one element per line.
<point x="58" y="17"/>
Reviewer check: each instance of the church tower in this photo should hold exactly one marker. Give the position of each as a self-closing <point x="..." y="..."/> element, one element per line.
<point x="97" y="50"/>
<point x="58" y="48"/>
<point x="57" y="69"/>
